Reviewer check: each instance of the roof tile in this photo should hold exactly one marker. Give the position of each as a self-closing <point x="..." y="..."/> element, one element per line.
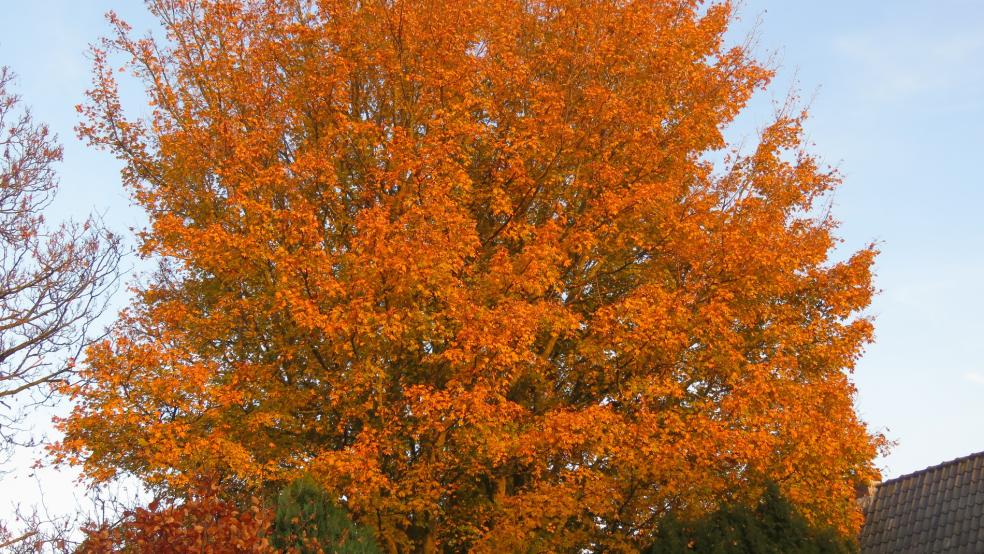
<point x="938" y="510"/>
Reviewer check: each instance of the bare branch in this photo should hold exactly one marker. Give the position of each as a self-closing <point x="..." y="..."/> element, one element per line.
<point x="55" y="281"/>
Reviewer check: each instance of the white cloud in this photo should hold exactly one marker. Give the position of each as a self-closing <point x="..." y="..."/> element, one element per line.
<point x="974" y="377"/>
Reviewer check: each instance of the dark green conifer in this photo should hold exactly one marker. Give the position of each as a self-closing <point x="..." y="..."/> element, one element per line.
<point x="773" y="526"/>
<point x="308" y="521"/>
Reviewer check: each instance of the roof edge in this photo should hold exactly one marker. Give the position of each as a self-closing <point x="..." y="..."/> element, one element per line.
<point x="940" y="465"/>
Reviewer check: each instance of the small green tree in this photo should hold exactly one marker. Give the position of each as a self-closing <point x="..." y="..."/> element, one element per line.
<point x="774" y="526"/>
<point x="672" y="537"/>
<point x="308" y="521"/>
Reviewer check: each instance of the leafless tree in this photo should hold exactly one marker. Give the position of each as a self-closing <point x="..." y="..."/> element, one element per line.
<point x="38" y="533"/>
<point x="38" y="530"/>
<point x="54" y="279"/>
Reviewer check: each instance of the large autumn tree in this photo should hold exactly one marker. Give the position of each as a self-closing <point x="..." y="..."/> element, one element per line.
<point x="470" y="265"/>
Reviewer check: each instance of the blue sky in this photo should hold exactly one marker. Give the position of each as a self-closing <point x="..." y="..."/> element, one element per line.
<point x="896" y="91"/>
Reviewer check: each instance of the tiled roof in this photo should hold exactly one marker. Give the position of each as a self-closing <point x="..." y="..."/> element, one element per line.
<point x="934" y="511"/>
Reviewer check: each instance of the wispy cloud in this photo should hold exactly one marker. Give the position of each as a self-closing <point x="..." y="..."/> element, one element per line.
<point x="974" y="377"/>
<point x="901" y="60"/>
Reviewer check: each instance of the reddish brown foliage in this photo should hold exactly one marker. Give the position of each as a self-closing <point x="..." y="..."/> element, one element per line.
<point x="203" y="524"/>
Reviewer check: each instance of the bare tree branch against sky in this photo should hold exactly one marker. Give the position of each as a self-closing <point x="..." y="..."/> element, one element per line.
<point x="54" y="281"/>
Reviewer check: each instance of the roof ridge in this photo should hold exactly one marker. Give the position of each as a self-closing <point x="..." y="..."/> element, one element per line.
<point x="929" y="469"/>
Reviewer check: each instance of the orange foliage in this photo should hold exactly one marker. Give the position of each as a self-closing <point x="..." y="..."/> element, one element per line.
<point x="469" y="265"/>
